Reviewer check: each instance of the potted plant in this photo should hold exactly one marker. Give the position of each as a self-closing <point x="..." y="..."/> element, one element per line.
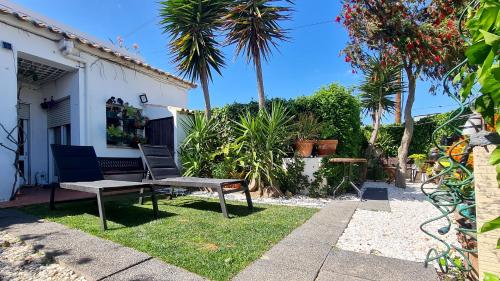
<point x="419" y="161"/>
<point x="327" y="144"/>
<point x="114" y="135"/>
<point x="307" y="130"/>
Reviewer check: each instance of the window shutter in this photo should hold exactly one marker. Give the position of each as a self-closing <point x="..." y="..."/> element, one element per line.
<point x="60" y="114"/>
<point x="23" y="111"/>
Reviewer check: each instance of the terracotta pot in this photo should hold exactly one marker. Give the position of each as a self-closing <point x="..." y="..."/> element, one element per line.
<point x="304" y="147"/>
<point x="327" y="147"/>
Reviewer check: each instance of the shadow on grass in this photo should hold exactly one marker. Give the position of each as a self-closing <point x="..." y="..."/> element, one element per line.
<point x="122" y="212"/>
<point x="234" y="210"/>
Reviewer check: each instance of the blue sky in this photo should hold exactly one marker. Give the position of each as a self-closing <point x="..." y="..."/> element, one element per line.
<point x="310" y="60"/>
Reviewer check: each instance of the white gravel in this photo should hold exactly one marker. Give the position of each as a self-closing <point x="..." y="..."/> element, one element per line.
<point x="395" y="234"/>
<point x="295" y="200"/>
<point x="20" y="262"/>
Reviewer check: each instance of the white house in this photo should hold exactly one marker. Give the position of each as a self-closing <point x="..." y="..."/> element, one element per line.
<point x="55" y="83"/>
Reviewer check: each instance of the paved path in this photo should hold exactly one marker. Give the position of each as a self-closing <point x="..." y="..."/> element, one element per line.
<point x="90" y="256"/>
<point x="309" y="254"/>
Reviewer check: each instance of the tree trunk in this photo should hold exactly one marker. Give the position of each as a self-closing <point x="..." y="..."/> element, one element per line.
<point x="397" y="101"/>
<point x="260" y="82"/>
<point x="376" y="126"/>
<point x="408" y="132"/>
<point x="206" y="94"/>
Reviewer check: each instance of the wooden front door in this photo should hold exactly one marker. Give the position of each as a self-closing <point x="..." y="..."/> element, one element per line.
<point x="161" y="132"/>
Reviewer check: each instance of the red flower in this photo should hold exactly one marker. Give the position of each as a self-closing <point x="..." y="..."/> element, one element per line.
<point x="348" y="59"/>
<point x="437" y="59"/>
<point x="337" y="19"/>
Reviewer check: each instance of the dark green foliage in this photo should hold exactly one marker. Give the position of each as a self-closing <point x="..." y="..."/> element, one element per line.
<point x="339" y="112"/>
<point x="292" y="179"/>
<point x="422" y="142"/>
<point x="336" y="109"/>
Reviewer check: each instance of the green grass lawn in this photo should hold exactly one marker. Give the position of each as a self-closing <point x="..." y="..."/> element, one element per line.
<point x="191" y="232"/>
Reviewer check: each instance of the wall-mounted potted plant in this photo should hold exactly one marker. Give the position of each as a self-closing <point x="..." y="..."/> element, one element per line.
<point x="307" y="130"/>
<point x="327" y="145"/>
<point x="114" y="135"/>
<point x="129" y="116"/>
<point x="136" y="140"/>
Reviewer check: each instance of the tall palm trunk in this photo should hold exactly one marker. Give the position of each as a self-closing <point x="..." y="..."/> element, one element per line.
<point x="397" y="101"/>
<point x="260" y="82"/>
<point x="376" y="116"/>
<point x="206" y="94"/>
<point x="408" y="132"/>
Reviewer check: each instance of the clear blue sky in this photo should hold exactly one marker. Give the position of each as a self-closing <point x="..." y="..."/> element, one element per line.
<point x="309" y="61"/>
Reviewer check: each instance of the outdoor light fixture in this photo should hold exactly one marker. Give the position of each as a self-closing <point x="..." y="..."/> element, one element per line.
<point x="144" y="98"/>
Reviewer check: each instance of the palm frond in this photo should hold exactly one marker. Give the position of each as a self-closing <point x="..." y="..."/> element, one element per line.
<point x="381" y="82"/>
<point x="253" y="25"/>
<point x="192" y="25"/>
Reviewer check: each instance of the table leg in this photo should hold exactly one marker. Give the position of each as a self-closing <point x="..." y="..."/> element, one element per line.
<point x="52" y="204"/>
<point x="222" y="202"/>
<point x="155" y="202"/>
<point x="102" y="214"/>
<point x="248" y="196"/>
<point x="141" y="196"/>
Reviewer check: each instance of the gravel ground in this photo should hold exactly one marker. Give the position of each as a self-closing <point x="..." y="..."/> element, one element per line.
<point x="20" y="262"/>
<point x="295" y="200"/>
<point x="395" y="234"/>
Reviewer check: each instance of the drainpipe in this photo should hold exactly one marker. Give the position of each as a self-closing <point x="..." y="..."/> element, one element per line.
<point x="67" y="48"/>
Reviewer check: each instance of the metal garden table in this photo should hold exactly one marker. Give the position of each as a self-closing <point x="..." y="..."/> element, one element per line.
<point x="347" y="167"/>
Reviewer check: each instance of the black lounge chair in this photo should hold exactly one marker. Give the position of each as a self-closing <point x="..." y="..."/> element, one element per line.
<point x="78" y="169"/>
<point x="163" y="172"/>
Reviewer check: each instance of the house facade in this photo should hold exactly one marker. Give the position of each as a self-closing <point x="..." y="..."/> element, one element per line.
<point x="60" y="86"/>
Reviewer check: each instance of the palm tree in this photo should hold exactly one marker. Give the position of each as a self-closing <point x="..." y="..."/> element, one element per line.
<point x="192" y="25"/>
<point x="380" y="83"/>
<point x="254" y="26"/>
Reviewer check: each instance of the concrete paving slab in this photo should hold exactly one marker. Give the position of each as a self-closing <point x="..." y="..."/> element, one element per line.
<point x="300" y="255"/>
<point x="333" y="276"/>
<point x="270" y="271"/>
<point x="90" y="256"/>
<point x="154" y="270"/>
<point x="379" y="268"/>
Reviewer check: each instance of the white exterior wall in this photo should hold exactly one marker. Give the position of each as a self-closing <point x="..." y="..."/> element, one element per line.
<point x="90" y="84"/>
<point x="8" y="113"/>
<point x="107" y="79"/>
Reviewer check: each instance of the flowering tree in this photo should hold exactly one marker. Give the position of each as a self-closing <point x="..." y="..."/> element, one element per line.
<point x="419" y="35"/>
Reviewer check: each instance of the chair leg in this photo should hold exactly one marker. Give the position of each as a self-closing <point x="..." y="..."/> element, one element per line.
<point x="52" y="204"/>
<point x="222" y="202"/>
<point x="248" y="197"/>
<point x="155" y="202"/>
<point x="141" y="196"/>
<point x="102" y="214"/>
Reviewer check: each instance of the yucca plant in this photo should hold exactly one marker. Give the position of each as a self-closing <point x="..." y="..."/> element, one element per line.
<point x="380" y="84"/>
<point x="263" y="139"/>
<point x="253" y="25"/>
<point x="197" y="148"/>
<point x="192" y="26"/>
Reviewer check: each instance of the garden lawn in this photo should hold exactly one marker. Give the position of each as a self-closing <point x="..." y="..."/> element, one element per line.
<point x="191" y="232"/>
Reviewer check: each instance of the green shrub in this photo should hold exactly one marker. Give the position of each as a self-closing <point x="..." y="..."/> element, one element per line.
<point x="196" y="151"/>
<point x="339" y="113"/>
<point x="292" y="178"/>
